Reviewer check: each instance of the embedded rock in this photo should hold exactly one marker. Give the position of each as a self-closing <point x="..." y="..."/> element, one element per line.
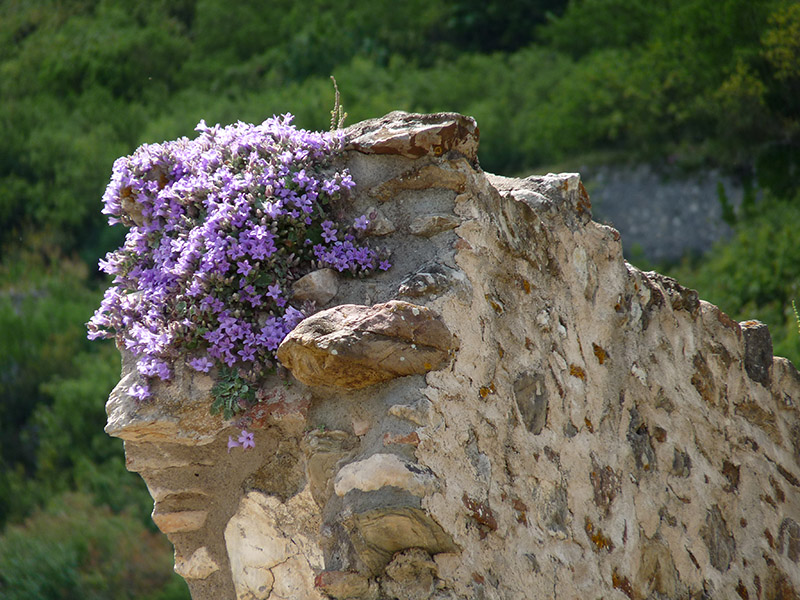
<point x="547" y="421"/>
<point x="381" y="470"/>
<point x="198" y="566"/>
<point x="319" y="286"/>
<point x="414" y="135"/>
<point x="430" y="225"/>
<point x="353" y="347"/>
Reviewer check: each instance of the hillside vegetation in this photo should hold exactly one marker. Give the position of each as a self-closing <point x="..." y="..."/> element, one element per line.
<point x="689" y="83"/>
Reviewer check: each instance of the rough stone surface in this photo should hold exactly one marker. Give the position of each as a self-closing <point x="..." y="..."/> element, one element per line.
<point x="198" y="566"/>
<point x="586" y="430"/>
<point x="353" y="347"/>
<point x="182" y="521"/>
<point x="381" y="470"/>
<point x="415" y="136"/>
<point x="318" y="286"/>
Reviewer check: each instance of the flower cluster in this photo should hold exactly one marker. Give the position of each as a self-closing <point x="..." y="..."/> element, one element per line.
<point x="245" y="441"/>
<point x="220" y="226"/>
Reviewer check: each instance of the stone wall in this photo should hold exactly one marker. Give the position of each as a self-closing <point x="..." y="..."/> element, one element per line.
<point x="511" y="411"/>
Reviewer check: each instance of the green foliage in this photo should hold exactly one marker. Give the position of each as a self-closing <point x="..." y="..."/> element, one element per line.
<point x="756" y="274"/>
<point x="76" y="550"/>
<point x="231" y="393"/>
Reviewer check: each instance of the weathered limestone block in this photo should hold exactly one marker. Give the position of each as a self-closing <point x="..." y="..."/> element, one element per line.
<point x="547" y="421"/>
<point x="179" y="417"/>
<point x="353" y="347"/>
<point x="381" y="470"/>
<point x="414" y="136"/>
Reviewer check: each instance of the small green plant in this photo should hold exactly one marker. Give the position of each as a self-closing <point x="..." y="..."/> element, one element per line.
<point x="337" y="114"/>
<point x="796" y="316"/>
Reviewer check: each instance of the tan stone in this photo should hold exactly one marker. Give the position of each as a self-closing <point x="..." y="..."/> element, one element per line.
<point x="414" y="135"/>
<point x="343" y="585"/>
<point x="198" y="566"/>
<point x="352" y="346"/>
<point x="319" y="286"/>
<point x="180" y="522"/>
<point x="379" y="533"/>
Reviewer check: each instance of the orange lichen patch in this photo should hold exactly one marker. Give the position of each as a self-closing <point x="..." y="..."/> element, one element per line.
<point x="427" y="366"/>
<point x="500" y="352"/>
<point x="477" y="578"/>
<point x="496" y="305"/>
<point x="660" y="434"/>
<point x="599" y="353"/>
<point x="486" y="390"/>
<point x="600" y="541"/>
<point x="522" y="511"/>
<point x="742" y="591"/>
<point x="411" y="439"/>
<point x="526" y="286"/>
<point x="769" y="538"/>
<point x="481" y="514"/>
<point x="577" y="371"/>
<point x="588" y="424"/>
<point x="622" y="583"/>
<point x="584" y="204"/>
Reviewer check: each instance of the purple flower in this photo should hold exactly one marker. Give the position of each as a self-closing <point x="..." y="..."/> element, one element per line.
<point x="207" y="215"/>
<point x="361" y="223"/>
<point x="232" y="444"/>
<point x="202" y="364"/>
<point x="328" y="231"/>
<point x="274" y="291"/>
<point x="140" y="392"/>
<point x="385" y="265"/>
<point x="246" y="440"/>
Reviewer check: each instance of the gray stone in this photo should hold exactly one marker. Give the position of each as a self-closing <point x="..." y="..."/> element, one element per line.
<point x="324" y="450"/>
<point x="718" y="539"/>
<point x="789" y="534"/>
<point x="430" y="225"/>
<point x="757" y="351"/>
<point x="383" y="470"/>
<point x="531" y="399"/>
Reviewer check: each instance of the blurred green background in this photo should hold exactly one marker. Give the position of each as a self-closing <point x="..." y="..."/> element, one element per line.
<point x="698" y="83"/>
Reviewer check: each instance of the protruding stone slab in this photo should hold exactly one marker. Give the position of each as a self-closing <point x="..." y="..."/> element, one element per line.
<point x="382" y="470"/>
<point x="414" y="135"/>
<point x="180" y="416"/>
<point x="353" y="346"/>
<point x="181" y="521"/>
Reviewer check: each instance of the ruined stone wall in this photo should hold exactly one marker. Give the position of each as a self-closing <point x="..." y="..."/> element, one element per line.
<point x="512" y="411"/>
